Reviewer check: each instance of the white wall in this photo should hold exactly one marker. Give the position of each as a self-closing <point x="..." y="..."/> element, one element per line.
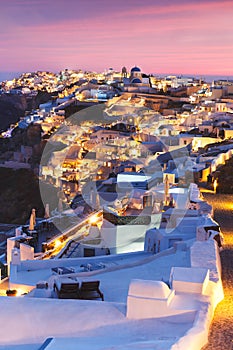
<point x="149" y="299"/>
<point x="26" y="252"/>
<point x="204" y="254"/>
<point x="119" y="237"/>
<point x="190" y="279"/>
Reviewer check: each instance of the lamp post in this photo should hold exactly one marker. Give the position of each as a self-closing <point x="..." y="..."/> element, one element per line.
<point x="215" y="184"/>
<point x="166" y="190"/>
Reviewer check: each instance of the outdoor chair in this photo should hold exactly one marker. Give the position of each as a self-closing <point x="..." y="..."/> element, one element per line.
<point x="67" y="289"/>
<point x="90" y="291"/>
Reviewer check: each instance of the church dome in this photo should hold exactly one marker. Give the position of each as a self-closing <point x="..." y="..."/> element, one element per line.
<point x="135" y="69"/>
<point x="136" y="81"/>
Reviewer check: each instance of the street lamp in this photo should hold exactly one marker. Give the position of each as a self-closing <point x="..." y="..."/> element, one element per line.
<point x="215" y="185"/>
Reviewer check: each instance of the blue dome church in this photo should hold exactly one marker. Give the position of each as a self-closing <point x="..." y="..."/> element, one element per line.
<point x="135" y="75"/>
<point x="136" y="81"/>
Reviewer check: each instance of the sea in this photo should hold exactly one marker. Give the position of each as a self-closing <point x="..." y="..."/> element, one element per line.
<point x="9" y="75"/>
<point x="208" y="78"/>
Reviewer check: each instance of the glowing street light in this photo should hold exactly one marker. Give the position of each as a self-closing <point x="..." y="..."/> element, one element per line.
<point x="215" y="184"/>
<point x="93" y="219"/>
<point x="57" y="244"/>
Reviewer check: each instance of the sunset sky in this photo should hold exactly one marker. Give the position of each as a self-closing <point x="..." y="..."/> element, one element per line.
<point x="169" y="36"/>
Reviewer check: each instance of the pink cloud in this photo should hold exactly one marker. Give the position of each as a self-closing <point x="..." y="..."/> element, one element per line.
<point x="205" y="6"/>
<point x="179" y="38"/>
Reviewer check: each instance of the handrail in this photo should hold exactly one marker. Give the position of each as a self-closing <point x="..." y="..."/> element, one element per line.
<point x="49" y="246"/>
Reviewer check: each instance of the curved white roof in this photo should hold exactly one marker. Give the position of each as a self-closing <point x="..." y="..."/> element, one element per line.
<point x="149" y="289"/>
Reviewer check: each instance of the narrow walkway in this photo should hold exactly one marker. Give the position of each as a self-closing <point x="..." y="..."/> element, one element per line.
<point x="221" y="331"/>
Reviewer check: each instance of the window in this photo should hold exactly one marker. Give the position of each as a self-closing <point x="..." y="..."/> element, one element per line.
<point x="147" y="201"/>
<point x="89" y="252"/>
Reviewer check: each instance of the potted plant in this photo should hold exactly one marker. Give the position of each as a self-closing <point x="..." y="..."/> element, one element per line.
<point x="11" y="292"/>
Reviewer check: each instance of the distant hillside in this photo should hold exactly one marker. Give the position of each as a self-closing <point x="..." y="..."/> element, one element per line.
<point x="12" y="107"/>
<point x="19" y="194"/>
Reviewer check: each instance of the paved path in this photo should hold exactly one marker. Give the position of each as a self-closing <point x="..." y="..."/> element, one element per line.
<point x="221" y="331"/>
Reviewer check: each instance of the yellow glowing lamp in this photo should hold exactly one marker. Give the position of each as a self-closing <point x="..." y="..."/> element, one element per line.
<point x="57" y="244"/>
<point x="93" y="219"/>
<point x="215" y="185"/>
